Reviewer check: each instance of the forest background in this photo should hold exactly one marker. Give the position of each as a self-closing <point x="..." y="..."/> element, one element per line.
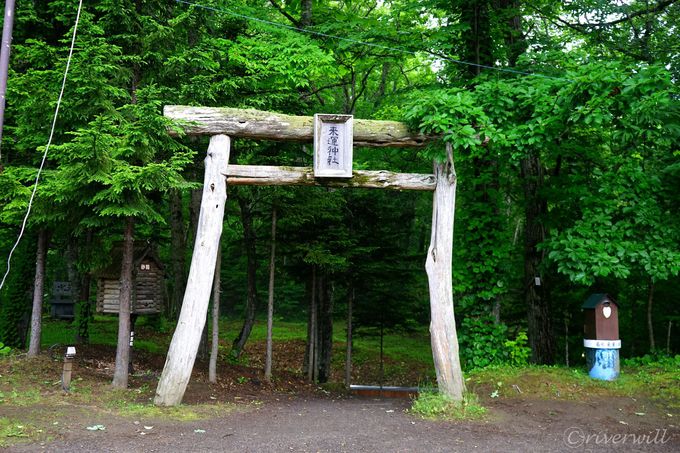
<point x="564" y="120"/>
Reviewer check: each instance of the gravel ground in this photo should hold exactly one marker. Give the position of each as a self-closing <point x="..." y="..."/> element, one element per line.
<point x="296" y="424"/>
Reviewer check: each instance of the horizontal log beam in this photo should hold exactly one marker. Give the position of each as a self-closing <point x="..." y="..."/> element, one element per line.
<point x="260" y="175"/>
<point x="277" y="126"/>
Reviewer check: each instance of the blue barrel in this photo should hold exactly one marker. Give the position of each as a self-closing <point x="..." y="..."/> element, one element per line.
<point x="602" y="359"/>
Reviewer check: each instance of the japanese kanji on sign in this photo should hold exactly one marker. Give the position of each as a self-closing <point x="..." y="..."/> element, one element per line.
<point x="333" y="141"/>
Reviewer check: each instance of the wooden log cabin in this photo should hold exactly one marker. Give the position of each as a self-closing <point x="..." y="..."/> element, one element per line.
<point x="147" y="288"/>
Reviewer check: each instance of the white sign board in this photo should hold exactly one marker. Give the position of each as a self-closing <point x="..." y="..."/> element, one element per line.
<point x="333" y="141"/>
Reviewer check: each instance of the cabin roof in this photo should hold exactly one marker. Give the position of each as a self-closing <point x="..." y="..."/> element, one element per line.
<point x="141" y="252"/>
<point x="598" y="298"/>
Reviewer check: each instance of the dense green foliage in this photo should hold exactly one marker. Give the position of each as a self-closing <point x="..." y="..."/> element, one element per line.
<point x="568" y="161"/>
<point x="484" y="343"/>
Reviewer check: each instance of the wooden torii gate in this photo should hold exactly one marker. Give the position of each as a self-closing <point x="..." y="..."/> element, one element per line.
<point x="221" y="124"/>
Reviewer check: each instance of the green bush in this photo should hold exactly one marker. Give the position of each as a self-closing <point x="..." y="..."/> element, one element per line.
<point x="484" y="343"/>
<point x="518" y="350"/>
<point x="656" y="360"/>
<point x="4" y="350"/>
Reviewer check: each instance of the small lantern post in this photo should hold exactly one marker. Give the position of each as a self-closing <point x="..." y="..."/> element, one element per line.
<point x="601" y="336"/>
<point x="68" y="368"/>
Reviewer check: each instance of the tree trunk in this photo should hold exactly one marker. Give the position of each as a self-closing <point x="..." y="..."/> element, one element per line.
<point x="178" y="249"/>
<point x="380" y="93"/>
<point x="668" y="337"/>
<point x="214" y="350"/>
<point x="311" y="330"/>
<point x="270" y="302"/>
<point x="477" y="41"/>
<point x="566" y="339"/>
<point x="80" y="288"/>
<point x="120" y="374"/>
<point x="348" y="352"/>
<point x="317" y="324"/>
<point x="38" y="293"/>
<point x="133" y="324"/>
<point x="84" y="306"/>
<point x="74" y="278"/>
<point x="515" y="41"/>
<point x="439" y="273"/>
<point x="496" y="310"/>
<point x="249" y="240"/>
<point x="184" y="344"/>
<point x="536" y="294"/>
<point x="84" y="310"/>
<point x="325" y="334"/>
<point x="382" y="355"/>
<point x="650" y="324"/>
<point x="306" y="16"/>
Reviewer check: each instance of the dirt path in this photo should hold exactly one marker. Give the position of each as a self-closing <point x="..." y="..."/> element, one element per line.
<point x="296" y="424"/>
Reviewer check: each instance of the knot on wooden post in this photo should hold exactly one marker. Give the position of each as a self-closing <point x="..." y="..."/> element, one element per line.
<point x="449" y="167"/>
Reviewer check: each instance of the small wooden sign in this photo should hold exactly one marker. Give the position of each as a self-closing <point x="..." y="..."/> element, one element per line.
<point x="333" y="141"/>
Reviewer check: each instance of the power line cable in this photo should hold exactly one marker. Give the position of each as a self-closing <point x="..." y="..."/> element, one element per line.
<point x="369" y="44"/>
<point x="47" y="148"/>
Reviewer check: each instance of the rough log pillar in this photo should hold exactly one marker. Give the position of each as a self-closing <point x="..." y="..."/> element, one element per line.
<point x="438" y="266"/>
<point x="185" y="341"/>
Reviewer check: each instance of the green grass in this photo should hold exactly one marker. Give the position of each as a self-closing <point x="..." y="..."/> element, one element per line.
<point x="103" y="330"/>
<point x="402" y="352"/>
<point x="433" y="406"/>
<point x="553" y="382"/>
<point x="406" y="348"/>
<point x="654" y="381"/>
<point x="19" y="397"/>
<point x="13" y="431"/>
<point x="34" y="408"/>
<point x="125" y="408"/>
<point x="409" y="347"/>
<point x="283" y="330"/>
<point x="31" y="382"/>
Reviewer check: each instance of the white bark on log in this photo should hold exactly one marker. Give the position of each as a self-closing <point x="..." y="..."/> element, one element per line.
<point x="185" y="341"/>
<point x="38" y="293"/>
<point x="277" y="126"/>
<point x="214" y="347"/>
<point x="438" y="265"/>
<point x="263" y="175"/>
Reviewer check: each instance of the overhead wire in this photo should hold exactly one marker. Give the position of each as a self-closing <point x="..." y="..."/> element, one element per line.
<point x="364" y="43"/>
<point x="47" y="147"/>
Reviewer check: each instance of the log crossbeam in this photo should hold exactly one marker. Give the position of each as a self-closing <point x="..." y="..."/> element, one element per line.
<point x="261" y="175"/>
<point x="257" y="124"/>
